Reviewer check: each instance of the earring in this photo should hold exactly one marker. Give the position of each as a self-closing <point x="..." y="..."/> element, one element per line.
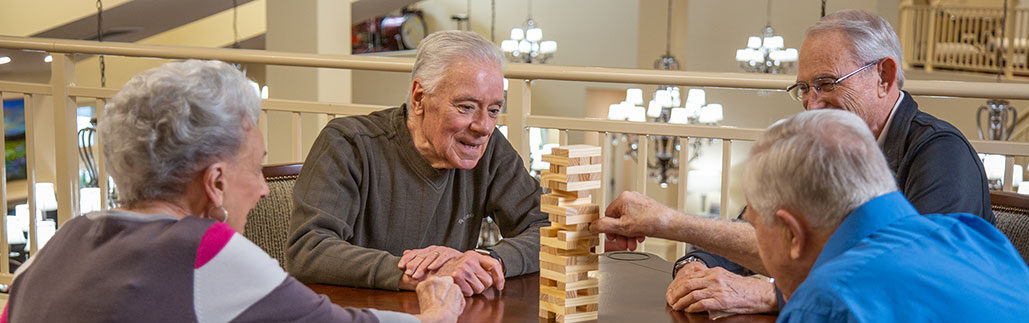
<point x="225" y="213"/>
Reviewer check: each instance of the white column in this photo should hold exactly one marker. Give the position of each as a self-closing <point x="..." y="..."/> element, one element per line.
<point x="305" y="26"/>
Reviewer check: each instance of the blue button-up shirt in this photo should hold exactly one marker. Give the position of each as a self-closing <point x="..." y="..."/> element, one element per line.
<point x="885" y="263"/>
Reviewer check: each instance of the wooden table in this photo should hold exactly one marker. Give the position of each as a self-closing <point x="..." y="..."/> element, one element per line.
<point x="632" y="289"/>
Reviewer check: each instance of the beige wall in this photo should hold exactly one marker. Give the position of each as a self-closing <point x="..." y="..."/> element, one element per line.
<point x="588" y="32"/>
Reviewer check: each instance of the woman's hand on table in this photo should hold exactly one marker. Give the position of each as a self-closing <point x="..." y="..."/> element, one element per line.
<point x="440" y="300"/>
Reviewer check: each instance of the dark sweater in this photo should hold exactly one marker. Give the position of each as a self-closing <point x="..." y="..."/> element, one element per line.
<point x="365" y="195"/>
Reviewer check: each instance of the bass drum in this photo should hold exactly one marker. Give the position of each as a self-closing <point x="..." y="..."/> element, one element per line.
<point x="403" y="32"/>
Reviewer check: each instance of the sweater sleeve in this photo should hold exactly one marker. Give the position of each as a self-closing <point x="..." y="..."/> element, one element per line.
<point x="514" y="202"/>
<point x="327" y="201"/>
<point x="261" y="293"/>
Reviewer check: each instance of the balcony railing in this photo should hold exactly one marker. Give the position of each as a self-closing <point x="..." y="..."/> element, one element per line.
<point x="985" y="40"/>
<point x="519" y="118"/>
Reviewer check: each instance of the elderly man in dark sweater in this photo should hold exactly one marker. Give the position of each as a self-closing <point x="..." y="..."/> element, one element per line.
<point x="850" y="61"/>
<point x="387" y="199"/>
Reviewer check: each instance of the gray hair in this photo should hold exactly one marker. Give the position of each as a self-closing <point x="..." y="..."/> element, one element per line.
<point x="442" y="48"/>
<point x="872" y="36"/>
<point x="823" y="164"/>
<point x="171" y="122"/>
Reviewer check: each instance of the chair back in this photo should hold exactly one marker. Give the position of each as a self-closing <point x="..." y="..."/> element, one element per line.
<point x="1012" y="217"/>
<point x="268" y="223"/>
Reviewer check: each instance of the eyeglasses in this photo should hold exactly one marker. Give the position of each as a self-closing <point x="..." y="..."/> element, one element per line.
<point x="799" y="90"/>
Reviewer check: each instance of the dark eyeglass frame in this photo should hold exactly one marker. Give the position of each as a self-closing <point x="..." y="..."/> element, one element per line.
<point x="798" y="90"/>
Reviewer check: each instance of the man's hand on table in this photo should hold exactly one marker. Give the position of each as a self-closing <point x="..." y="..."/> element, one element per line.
<point x="630" y="218"/>
<point x="697" y="289"/>
<point x="418" y="262"/>
<point x="440" y="300"/>
<point x="473" y="272"/>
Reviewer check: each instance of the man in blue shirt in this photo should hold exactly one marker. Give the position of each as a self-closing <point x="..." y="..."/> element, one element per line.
<point x="845" y="246"/>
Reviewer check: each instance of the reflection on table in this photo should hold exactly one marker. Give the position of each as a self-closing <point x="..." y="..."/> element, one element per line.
<point x="632" y="289"/>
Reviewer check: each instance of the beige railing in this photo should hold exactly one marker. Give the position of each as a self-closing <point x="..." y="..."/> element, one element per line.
<point x="965" y="39"/>
<point x="519" y="117"/>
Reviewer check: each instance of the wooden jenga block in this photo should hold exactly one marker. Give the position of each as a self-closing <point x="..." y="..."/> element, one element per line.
<point x="547" y="175"/>
<point x="572" y="227"/>
<point x="571" y="209"/>
<point x="564" y="252"/>
<point x="574" y="219"/>
<point x="565" y="235"/>
<point x="575" y="186"/>
<point x="576" y="151"/>
<point x="567" y="310"/>
<point x="577" y="285"/>
<point x="558" y="297"/>
<point x="571" y="161"/>
<point x="578" y="317"/>
<point x="569" y="260"/>
<point x="569" y="245"/>
<point x="575" y="194"/>
<point x="573" y="170"/>
<point x="569" y="269"/>
<point x="548" y="315"/>
<point x="563" y="277"/>
<point x="591" y="283"/>
<point x="562" y="200"/>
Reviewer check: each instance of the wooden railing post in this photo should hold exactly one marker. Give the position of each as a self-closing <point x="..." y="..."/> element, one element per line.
<point x="1009" y="48"/>
<point x="931" y="40"/>
<point x="66" y="160"/>
<point x="907" y="34"/>
<point x="519" y="105"/>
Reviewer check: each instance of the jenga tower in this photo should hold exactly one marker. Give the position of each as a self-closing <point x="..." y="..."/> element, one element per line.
<point x="567" y="293"/>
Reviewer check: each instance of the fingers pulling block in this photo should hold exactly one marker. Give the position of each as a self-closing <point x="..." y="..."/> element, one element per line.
<point x="567" y="293"/>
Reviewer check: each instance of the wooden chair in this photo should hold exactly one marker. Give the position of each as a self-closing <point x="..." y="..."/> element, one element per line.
<point x="268" y="223"/>
<point x="1012" y="217"/>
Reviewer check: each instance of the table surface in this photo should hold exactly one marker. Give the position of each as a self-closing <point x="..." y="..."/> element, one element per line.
<point x="632" y="289"/>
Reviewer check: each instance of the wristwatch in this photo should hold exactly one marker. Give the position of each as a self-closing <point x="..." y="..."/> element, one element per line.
<point x="488" y="252"/>
<point x="682" y="262"/>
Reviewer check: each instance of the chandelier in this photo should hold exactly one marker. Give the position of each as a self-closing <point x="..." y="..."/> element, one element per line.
<point x="527" y="45"/>
<point x="663" y="163"/>
<point x="765" y="53"/>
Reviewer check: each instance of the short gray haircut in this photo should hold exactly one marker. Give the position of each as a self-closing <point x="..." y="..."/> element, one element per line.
<point x="822" y="164"/>
<point x="442" y="48"/>
<point x="872" y="36"/>
<point x="171" y="122"/>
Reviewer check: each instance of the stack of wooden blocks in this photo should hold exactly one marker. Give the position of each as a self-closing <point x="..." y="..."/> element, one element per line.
<point x="567" y="254"/>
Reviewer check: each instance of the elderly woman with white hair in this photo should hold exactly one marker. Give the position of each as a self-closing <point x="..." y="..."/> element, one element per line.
<point x="182" y="144"/>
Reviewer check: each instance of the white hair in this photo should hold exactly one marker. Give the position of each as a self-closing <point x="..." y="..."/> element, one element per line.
<point x="822" y="164"/>
<point x="871" y="36"/>
<point x="442" y="48"/>
<point x="171" y="122"/>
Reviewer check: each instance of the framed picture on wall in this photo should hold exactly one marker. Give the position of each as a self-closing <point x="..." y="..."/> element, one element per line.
<point x="14" y="132"/>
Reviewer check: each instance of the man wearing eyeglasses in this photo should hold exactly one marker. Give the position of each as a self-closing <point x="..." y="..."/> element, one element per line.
<point x="850" y="61"/>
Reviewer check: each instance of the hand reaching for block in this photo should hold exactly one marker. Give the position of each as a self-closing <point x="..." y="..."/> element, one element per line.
<point x="630" y="218"/>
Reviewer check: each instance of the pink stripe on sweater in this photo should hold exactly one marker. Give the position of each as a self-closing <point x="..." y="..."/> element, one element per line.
<point x="216" y="237"/>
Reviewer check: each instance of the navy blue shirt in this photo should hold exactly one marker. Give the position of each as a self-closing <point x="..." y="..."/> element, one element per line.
<point x="885" y="263"/>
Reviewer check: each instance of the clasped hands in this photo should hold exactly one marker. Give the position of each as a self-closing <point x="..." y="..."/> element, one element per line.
<point x="472" y="272"/>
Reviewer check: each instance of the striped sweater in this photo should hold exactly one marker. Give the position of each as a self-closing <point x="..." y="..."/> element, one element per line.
<point x="119" y="266"/>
